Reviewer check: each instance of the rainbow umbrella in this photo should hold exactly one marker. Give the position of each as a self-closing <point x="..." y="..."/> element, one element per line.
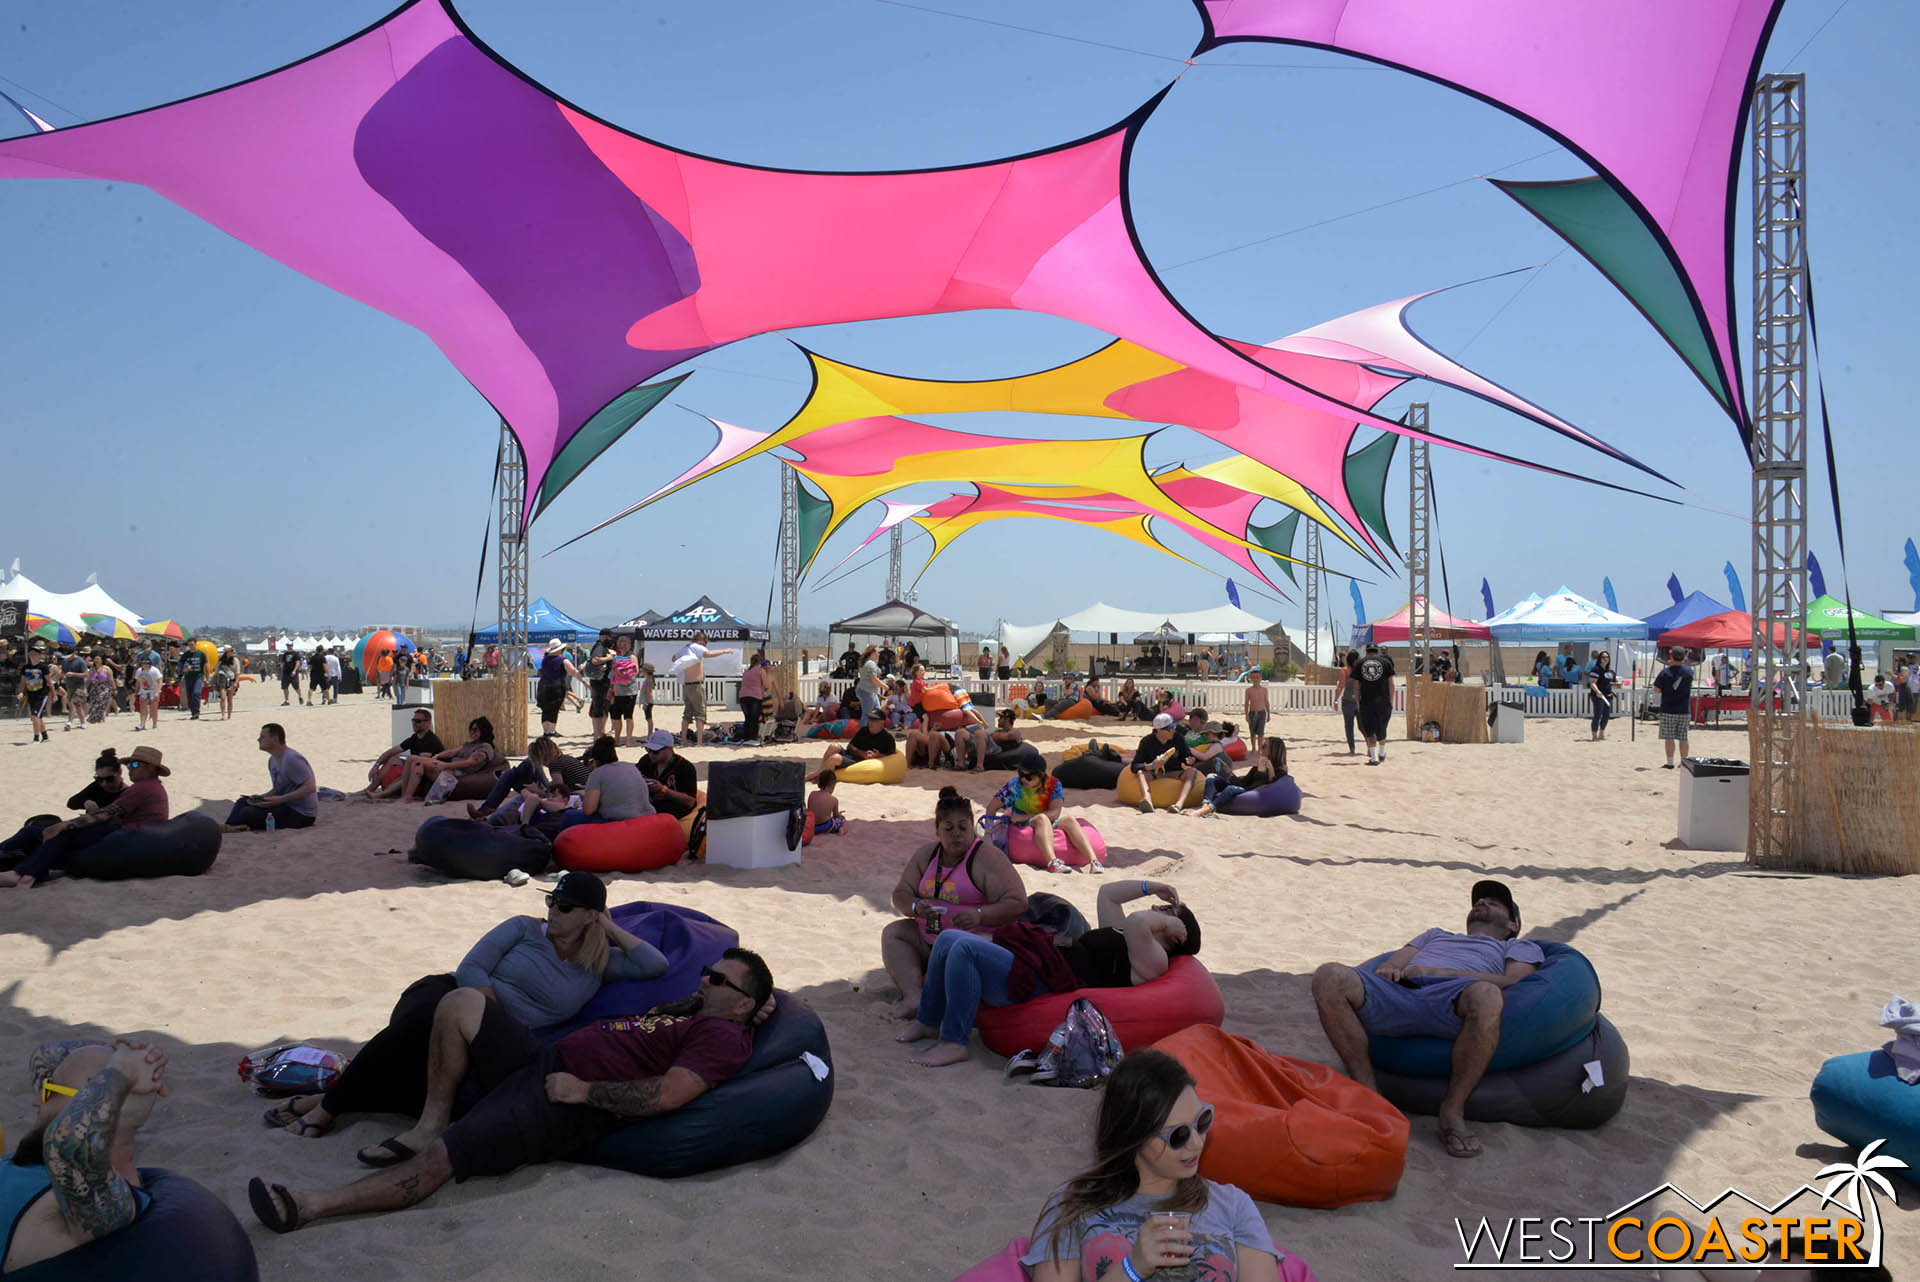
<point x="108" y="625"/>
<point x="39" y="625"/>
<point x="165" y="628"/>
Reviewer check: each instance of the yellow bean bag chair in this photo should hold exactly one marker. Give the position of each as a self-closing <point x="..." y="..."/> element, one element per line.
<point x="1073" y="750"/>
<point x="891" y="768"/>
<point x="1166" y="789"/>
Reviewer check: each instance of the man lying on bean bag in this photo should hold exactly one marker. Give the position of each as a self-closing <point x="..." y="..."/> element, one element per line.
<point x="547" y="1103"/>
<point x="1440" y="985"/>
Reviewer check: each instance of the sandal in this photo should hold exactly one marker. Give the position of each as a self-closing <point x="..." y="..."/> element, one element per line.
<point x="283" y="1115"/>
<point x="394" y="1154"/>
<point x="266" y="1199"/>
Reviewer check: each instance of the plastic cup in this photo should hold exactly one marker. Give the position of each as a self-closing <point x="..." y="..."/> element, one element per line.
<point x="1180" y="1222"/>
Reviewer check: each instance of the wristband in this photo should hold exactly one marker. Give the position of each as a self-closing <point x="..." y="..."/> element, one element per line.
<point x="1126" y="1266"/>
<point x="1143" y="886"/>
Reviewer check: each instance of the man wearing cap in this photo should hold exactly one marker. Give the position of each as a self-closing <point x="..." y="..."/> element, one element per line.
<point x="546" y="1103"/>
<point x="1162" y="751"/>
<point x="142" y="802"/>
<point x="870" y="741"/>
<point x="1440" y="985"/>
<point x="36" y="689"/>
<point x="671" y="781"/>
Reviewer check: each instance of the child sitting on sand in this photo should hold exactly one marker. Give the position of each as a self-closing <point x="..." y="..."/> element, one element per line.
<point x="824" y="806"/>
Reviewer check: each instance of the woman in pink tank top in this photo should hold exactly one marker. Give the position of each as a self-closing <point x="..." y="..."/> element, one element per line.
<point x="957" y="882"/>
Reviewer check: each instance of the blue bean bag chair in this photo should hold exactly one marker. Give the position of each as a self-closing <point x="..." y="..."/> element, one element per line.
<point x="1545" y="1014"/>
<point x="1858" y="1099"/>
<point x="183" y="846"/>
<point x="1281" y="797"/>
<point x="1549" y="1092"/>
<point x="186" y="1234"/>
<point x="775" y="1102"/>
<point x="690" y="941"/>
<point x="478" y="850"/>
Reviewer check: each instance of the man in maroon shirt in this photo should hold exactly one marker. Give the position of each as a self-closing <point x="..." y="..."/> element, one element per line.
<point x="544" y="1103"/>
<point x="143" y="801"/>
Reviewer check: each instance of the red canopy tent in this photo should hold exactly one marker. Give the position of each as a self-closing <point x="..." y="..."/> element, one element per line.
<point x="1730" y="631"/>
<point x="1447" y="628"/>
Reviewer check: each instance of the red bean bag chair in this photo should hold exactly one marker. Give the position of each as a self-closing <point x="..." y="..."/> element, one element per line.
<point x="1005" y="1266"/>
<point x="1022" y="849"/>
<point x="1235" y="748"/>
<point x="1140" y="1015"/>
<point x="1075" y="712"/>
<point x="947" y="719"/>
<point x="625" y="845"/>
<point x="939" y="697"/>
<point x="1289" y="1131"/>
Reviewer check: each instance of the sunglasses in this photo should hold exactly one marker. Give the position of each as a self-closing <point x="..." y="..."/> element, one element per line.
<point x="48" y="1089"/>
<point x="1033" y="774"/>
<point x="713" y="976"/>
<point x="1177" y="1137"/>
<point x="566" y="907"/>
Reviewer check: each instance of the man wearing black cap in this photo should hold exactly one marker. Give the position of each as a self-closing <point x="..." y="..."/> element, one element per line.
<point x="871" y="741"/>
<point x="1440" y="985"/>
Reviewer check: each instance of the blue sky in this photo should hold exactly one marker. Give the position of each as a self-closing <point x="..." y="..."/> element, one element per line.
<point x="222" y="439"/>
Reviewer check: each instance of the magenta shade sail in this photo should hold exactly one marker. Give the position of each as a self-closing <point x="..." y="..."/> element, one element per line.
<point x="1396" y="627"/>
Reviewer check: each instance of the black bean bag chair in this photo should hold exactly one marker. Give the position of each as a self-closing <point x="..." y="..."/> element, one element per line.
<point x="479" y="850"/>
<point x="185" y="1235"/>
<point x="183" y="846"/>
<point x="1006" y="758"/>
<point x="1548" y="1092"/>
<point x="1088" y="771"/>
<point x="775" y="1102"/>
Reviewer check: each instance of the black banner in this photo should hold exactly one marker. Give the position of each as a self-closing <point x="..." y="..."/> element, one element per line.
<point x="13" y="620"/>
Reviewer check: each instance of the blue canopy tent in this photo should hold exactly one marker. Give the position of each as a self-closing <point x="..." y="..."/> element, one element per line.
<point x="545" y="622"/>
<point x="1691" y="608"/>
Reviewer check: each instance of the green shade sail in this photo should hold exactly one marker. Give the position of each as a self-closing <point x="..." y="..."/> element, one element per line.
<point x="1365" y="472"/>
<point x="600" y="432"/>
<point x="816" y="514"/>
<point x="1278" y="539"/>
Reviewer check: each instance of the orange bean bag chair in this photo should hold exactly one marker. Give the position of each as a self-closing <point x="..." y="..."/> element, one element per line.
<point x="1075" y="712"/>
<point x="626" y="845"/>
<point x="1140" y="1015"/>
<point x="939" y="697"/>
<point x="686" y="826"/>
<point x="1288" y="1131"/>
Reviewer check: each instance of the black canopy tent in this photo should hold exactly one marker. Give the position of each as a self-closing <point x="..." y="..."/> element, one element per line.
<point x="632" y="626"/>
<point x="898" y="621"/>
<point x="706" y="616"/>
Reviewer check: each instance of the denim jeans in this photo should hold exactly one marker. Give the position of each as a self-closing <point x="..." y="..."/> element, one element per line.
<point x="1220" y="792"/>
<point x="1349" y="712"/>
<point x="53" y="852"/>
<point x="511" y="782"/>
<point x="190" y="686"/>
<point x="963" y="971"/>
<point x="1602" y="712"/>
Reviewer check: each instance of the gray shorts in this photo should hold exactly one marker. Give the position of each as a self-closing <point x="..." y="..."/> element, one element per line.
<point x="1398" y="1010"/>
<point x="1674" y="725"/>
<point x="693" y="704"/>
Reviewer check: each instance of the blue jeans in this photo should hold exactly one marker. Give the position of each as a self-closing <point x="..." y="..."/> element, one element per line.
<point x="1220" y="792"/>
<point x="255" y="817"/>
<point x="1602" y="712"/>
<point x="963" y="971"/>
<point x="1349" y="713"/>
<point x="510" y="782"/>
<point x="574" y="818"/>
<point x="868" y="702"/>
<point x="53" y="852"/>
<point x="190" y="686"/>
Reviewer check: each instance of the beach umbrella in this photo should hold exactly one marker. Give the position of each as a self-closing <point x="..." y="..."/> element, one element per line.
<point x="108" y="625"/>
<point x="39" y="625"/>
<point x="165" y="628"/>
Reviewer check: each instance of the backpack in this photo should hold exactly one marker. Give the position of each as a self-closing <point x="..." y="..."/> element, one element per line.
<point x="1082" y="1052"/>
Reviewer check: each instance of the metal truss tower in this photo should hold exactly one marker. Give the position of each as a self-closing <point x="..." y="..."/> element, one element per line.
<point x="1779" y="463"/>
<point x="512" y="569"/>
<point x="786" y="638"/>
<point x="895" y="542"/>
<point x="1419" y="583"/>
<point x="1313" y="593"/>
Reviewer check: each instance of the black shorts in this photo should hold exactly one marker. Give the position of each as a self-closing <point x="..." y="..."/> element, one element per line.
<point x="1375" y="718"/>
<point x="37" y="701"/>
<point x="1904" y="700"/>
<point x="550" y="703"/>
<point x="516" y="1125"/>
<point x="597" y="697"/>
<point x="622" y="706"/>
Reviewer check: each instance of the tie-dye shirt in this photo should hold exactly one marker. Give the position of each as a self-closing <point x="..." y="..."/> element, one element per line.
<point x="1023" y="798"/>
<point x="1100" y="1241"/>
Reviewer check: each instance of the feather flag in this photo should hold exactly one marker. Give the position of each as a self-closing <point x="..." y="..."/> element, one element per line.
<point x="1673" y="586"/>
<point x="1815" y="580"/>
<point x="1233" y="594"/>
<point x="1606" y="589"/>
<point x="1486" y="598"/>
<point x="1913" y="571"/>
<point x="1359" y="608"/>
<point x="1738" y="597"/>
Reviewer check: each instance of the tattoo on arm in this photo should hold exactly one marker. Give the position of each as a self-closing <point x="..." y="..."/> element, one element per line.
<point x="628" y="1099"/>
<point x="92" y="1195"/>
<point x="48" y="1056"/>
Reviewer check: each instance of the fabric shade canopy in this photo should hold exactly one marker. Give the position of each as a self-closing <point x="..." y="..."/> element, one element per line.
<point x="1563" y="616"/>
<point x="1022" y="639"/>
<point x="1691" y="608"/>
<point x="1398" y="627"/>
<point x="1728" y="630"/>
<point x="705" y="616"/>
<point x="69" y="608"/>
<point x="546" y="622"/>
<point x="894" y="619"/>
<point x="1828" y="617"/>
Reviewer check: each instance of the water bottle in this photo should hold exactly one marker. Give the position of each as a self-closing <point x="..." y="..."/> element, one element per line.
<point x="270" y="823"/>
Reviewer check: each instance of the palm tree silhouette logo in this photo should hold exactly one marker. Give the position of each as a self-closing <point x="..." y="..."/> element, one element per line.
<point x="1849" y="1179"/>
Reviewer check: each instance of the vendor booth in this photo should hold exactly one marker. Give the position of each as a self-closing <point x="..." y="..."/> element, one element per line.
<point x="725" y="631"/>
<point x="545" y="622"/>
<point x="937" y="640"/>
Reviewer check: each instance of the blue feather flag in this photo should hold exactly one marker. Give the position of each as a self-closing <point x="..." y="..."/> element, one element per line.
<point x="1233" y="594"/>
<point x="1913" y="571"/>
<point x="1606" y="589"/>
<point x="1359" y="606"/>
<point x="1486" y="592"/>
<point x="1673" y="586"/>
<point x="1816" y="580"/>
<point x="1733" y="589"/>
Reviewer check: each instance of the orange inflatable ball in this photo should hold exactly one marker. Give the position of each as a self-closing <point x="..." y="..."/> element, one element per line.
<point x="1075" y="712"/>
<point x="1288" y="1131"/>
<point x="625" y="845"/>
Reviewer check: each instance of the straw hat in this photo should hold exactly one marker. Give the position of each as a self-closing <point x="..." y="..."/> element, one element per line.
<point x="147" y="754"/>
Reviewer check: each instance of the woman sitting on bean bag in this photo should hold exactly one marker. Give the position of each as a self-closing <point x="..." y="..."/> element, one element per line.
<point x="1033" y="798"/>
<point x="1143" y="1206"/>
<point x="1263" y="767"/>
<point x="531" y="971"/>
<point x="471" y="757"/>
<point x="108" y="783"/>
<point x="1131" y="705"/>
<point x="615" y="790"/>
<point x="957" y="883"/>
<point x="1022" y="960"/>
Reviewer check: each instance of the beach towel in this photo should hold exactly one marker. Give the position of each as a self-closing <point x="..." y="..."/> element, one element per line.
<point x="1901" y="1016"/>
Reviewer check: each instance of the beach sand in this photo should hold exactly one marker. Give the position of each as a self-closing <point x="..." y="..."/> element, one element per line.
<point x="1731" y="987"/>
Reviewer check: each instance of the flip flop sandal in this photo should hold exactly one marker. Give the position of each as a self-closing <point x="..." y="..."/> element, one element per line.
<point x="396" y="1153"/>
<point x="266" y="1198"/>
<point x="281" y="1116"/>
<point x="1460" y="1144"/>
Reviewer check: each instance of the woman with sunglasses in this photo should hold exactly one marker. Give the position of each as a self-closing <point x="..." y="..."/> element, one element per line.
<point x="108" y="783"/>
<point x="534" y="971"/>
<point x="1033" y="799"/>
<point x="1142" y="1209"/>
<point x="1262" y="768"/>
<point x="471" y="757"/>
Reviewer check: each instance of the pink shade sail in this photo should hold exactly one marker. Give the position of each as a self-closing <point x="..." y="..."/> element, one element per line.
<point x="1397" y="626"/>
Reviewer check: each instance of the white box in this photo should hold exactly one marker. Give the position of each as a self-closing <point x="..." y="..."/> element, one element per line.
<point x="1713" y="811"/>
<point x="1509" y="724"/>
<point x="756" y="842"/>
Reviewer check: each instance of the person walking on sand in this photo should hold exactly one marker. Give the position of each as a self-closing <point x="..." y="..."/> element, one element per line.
<point x="1374" y="677"/>
<point x="1347" y="691"/>
<point x="1675" y="684"/>
<point x="1255" y="706"/>
<point x="146" y="692"/>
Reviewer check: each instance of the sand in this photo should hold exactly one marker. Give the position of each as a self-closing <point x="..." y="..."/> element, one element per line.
<point x="1730" y="987"/>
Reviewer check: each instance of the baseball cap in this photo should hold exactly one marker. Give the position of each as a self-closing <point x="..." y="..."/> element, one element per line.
<point x="1496" y="890"/>
<point x="582" y="889"/>
<point x="1163" y="722"/>
<point x="657" y="740"/>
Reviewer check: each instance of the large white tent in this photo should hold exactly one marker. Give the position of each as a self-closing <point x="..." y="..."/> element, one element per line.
<point x="1024" y="639"/>
<point x="66" y="607"/>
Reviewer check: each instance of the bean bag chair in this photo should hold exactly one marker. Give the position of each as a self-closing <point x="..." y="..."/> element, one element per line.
<point x="1006" y="758"/>
<point x="690" y="940"/>
<point x="1006" y="1267"/>
<point x="773" y="1104"/>
<point x="1022" y="849"/>
<point x="391" y="772"/>
<point x="1167" y="789"/>
<point x="183" y="846"/>
<point x="185" y="1232"/>
<point x="842" y="729"/>
<point x="476" y="786"/>
<point x="1288" y="1131"/>
<point x="1545" y="1013"/>
<point x="641" y="844"/>
<point x="698" y="813"/>
<point x="1075" y="712"/>
<point x="939" y="697"/>
<point x="891" y="768"/>
<point x="1177" y="710"/>
<point x="1281" y="797"/>
<point x="1016" y="692"/>
<point x="1087" y="771"/>
<point x="1548" y="1092"/>
<point x="1235" y="748"/>
<point x="1858" y="1099"/>
<point x="1140" y="1015"/>
<point x="475" y="849"/>
<point x="948" y="719"/>
<point x="1074" y="751"/>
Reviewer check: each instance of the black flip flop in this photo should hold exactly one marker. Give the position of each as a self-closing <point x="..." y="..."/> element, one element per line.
<point x="265" y="1199"/>
<point x="396" y="1154"/>
<point x="281" y="1116"/>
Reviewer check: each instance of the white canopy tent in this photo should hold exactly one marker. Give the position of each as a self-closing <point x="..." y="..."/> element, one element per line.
<point x="1023" y="639"/>
<point x="66" y="607"/>
<point x="1563" y="616"/>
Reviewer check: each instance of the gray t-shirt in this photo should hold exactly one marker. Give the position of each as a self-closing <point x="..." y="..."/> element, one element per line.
<point x="1481" y="953"/>
<point x="1099" y="1241"/>
<point x="623" y="791"/>
<point x="288" y="771"/>
<point x="536" y="987"/>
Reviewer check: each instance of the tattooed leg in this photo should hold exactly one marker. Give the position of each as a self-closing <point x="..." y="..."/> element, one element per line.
<point x="390" y="1190"/>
